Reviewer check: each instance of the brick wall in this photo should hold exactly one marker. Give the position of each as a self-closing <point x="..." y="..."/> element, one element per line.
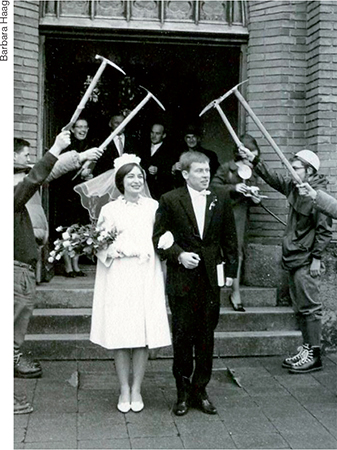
<point x="292" y="75"/>
<point x="321" y="99"/>
<point x="26" y="71"/>
<point x="292" y="69"/>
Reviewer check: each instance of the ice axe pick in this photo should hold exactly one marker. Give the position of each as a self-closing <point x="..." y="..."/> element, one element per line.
<point x="90" y="88"/>
<point x="221" y="99"/>
<point x="216" y="104"/>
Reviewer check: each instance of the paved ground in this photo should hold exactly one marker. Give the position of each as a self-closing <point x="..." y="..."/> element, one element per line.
<point x="75" y="408"/>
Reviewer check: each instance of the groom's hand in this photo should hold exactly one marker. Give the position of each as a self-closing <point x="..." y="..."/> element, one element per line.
<point x="189" y="260"/>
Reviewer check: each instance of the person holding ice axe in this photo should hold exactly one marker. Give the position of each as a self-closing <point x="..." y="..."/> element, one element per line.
<point x="307" y="234"/>
<point x="236" y="178"/>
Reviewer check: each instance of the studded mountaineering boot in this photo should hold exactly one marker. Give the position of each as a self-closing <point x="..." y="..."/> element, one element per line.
<point x="25" y="367"/>
<point x="21" y="406"/>
<point x="309" y="362"/>
<point x="288" y="362"/>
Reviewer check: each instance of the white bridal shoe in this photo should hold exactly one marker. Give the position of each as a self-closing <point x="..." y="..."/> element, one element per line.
<point x="137" y="406"/>
<point x="123" y="407"/>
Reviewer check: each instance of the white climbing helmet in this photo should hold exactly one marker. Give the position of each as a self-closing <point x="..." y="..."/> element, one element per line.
<point x="309" y="157"/>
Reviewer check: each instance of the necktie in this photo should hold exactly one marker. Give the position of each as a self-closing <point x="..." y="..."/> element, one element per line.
<point x="120" y="144"/>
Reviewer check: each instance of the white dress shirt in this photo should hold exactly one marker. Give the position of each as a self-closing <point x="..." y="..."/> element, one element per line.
<point x="199" y="207"/>
<point x="154" y="148"/>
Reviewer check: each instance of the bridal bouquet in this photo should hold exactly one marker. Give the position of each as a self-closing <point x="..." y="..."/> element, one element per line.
<point x="81" y="240"/>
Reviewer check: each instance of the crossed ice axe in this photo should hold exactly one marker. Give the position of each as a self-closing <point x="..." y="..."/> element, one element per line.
<point x="122" y="125"/>
<point x="216" y="104"/>
<point x="129" y="117"/>
<point x="86" y="96"/>
<point x="90" y="89"/>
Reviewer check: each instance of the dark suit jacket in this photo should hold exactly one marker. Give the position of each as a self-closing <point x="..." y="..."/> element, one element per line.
<point x="163" y="159"/>
<point x="219" y="243"/>
<point x="106" y="161"/>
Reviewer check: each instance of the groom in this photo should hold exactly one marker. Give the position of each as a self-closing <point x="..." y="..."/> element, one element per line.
<point x="202" y="230"/>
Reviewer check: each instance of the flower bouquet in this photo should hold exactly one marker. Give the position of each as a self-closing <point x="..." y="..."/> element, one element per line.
<point x="79" y="240"/>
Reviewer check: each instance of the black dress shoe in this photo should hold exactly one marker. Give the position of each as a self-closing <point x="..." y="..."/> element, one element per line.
<point x="239" y="307"/>
<point x="70" y="274"/>
<point x="180" y="408"/>
<point x="80" y="273"/>
<point x="204" y="404"/>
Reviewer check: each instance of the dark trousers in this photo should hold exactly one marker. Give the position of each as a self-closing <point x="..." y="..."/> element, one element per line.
<point x="304" y="292"/>
<point x="194" y="319"/>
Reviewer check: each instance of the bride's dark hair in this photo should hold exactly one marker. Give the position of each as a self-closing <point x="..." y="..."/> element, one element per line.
<point x="122" y="172"/>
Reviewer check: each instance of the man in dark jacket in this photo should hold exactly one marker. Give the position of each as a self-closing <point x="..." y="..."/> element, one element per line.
<point x="192" y="138"/>
<point x="195" y="231"/>
<point x="25" y="254"/>
<point x="307" y="234"/>
<point x="157" y="159"/>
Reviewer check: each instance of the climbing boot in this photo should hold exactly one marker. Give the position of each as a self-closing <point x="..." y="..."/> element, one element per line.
<point x="310" y="361"/>
<point x="288" y="362"/>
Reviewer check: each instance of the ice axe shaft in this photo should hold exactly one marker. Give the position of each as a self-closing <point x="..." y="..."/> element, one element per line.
<point x="228" y="125"/>
<point x="90" y="89"/>
<point x="266" y="135"/>
<point x="127" y="119"/>
<point x="122" y="125"/>
<point x="216" y="104"/>
<point x="272" y="214"/>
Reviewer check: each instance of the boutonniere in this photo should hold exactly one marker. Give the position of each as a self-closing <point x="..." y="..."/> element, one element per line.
<point x="211" y="206"/>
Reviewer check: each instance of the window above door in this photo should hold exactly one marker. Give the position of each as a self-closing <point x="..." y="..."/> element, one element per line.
<point x="225" y="17"/>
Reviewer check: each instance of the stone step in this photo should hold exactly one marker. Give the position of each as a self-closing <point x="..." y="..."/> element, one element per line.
<point x="256" y="343"/>
<point x="251" y="296"/>
<point x="227" y="344"/>
<point x="59" y="328"/>
<point x="63" y="296"/>
<point x="77" y="320"/>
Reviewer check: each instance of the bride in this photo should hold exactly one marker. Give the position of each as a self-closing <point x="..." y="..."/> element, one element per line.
<point x="129" y="312"/>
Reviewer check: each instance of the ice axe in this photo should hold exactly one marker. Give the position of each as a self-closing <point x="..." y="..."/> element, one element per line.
<point x="129" y="117"/>
<point x="216" y="104"/>
<point x="260" y="126"/>
<point x="90" y="88"/>
<point x="220" y="99"/>
<point x="122" y="125"/>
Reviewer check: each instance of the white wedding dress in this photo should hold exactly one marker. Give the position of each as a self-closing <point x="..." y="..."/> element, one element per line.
<point x="129" y="307"/>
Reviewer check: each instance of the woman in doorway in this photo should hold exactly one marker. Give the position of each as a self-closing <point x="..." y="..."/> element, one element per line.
<point x="233" y="175"/>
<point x="129" y="312"/>
<point x="68" y="206"/>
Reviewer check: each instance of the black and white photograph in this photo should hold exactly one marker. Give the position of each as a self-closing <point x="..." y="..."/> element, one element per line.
<point x="174" y="223"/>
